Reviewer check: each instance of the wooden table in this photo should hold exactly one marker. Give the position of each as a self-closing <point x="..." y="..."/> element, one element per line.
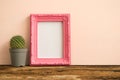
<point x="60" y="73"/>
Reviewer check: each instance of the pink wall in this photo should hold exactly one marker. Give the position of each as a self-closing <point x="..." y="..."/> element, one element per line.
<point x="95" y="27"/>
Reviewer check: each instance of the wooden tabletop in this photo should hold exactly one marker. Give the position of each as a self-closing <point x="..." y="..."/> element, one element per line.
<point x="60" y="73"/>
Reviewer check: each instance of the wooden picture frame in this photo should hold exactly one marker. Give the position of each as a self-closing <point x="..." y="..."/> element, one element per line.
<point x="42" y="53"/>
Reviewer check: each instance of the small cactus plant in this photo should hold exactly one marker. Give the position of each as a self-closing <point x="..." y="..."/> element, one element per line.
<point x="17" y="42"/>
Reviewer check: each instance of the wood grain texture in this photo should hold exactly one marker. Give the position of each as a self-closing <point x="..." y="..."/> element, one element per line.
<point x="60" y="73"/>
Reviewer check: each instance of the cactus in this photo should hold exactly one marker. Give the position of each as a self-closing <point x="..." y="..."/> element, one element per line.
<point x="17" y="42"/>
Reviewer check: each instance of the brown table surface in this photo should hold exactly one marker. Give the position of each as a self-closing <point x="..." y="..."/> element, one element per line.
<point x="88" y="72"/>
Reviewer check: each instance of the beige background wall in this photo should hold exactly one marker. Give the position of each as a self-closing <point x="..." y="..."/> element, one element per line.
<point x="95" y="27"/>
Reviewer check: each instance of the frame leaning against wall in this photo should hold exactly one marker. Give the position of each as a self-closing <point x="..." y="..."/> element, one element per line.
<point x="55" y="30"/>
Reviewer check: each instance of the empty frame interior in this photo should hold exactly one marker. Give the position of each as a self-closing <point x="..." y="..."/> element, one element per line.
<point x="49" y="39"/>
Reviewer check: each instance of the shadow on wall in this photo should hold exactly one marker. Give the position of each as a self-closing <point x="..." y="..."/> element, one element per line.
<point x="27" y="38"/>
<point x="27" y="31"/>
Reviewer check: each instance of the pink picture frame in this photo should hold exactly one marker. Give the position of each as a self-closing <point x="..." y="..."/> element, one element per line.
<point x="65" y="19"/>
